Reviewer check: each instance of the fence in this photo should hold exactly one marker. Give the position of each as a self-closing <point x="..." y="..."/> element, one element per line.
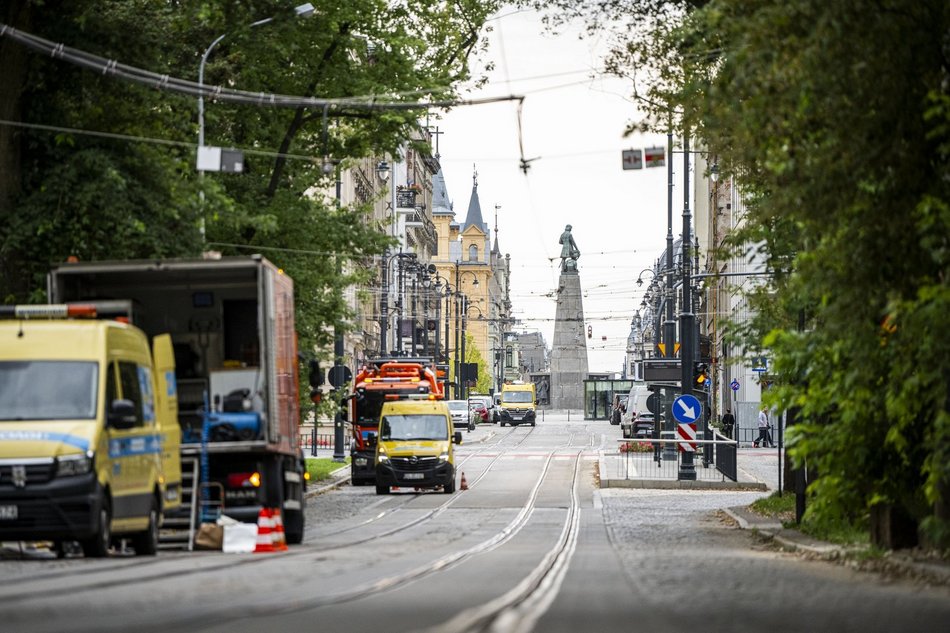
<point x="313" y="443"/>
<point x="649" y="458"/>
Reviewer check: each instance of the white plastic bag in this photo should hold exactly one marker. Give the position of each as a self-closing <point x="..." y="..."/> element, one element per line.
<point x="240" y="538"/>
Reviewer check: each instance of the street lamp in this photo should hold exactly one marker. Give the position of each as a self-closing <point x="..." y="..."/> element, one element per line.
<point x="384" y="298"/>
<point x="303" y="10"/>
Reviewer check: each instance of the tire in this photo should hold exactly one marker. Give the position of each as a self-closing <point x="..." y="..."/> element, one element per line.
<point x="382" y="490"/>
<point x="532" y="423"/>
<point x="449" y="488"/>
<point x="501" y="422"/>
<point x="146" y="543"/>
<point x="293" y="526"/>
<point x="98" y="545"/>
<point x="471" y="427"/>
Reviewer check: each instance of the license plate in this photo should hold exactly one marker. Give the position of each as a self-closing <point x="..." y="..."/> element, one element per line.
<point x="413" y="476"/>
<point x="8" y="513"/>
<point x="360" y="461"/>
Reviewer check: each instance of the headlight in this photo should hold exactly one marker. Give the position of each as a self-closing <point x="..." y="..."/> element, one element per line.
<point x="382" y="456"/>
<point x="444" y="457"/>
<point x="72" y="465"/>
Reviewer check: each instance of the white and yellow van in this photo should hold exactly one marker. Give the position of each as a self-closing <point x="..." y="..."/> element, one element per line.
<point x="414" y="448"/>
<point x="518" y="404"/>
<point x="89" y="435"/>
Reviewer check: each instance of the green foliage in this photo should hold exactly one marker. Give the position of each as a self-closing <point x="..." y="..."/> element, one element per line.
<point x="834" y="119"/>
<point x="472" y="355"/>
<point x="320" y="468"/>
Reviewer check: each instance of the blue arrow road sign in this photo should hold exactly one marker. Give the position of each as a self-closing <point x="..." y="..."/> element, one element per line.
<point x="734" y="384"/>
<point x="687" y="409"/>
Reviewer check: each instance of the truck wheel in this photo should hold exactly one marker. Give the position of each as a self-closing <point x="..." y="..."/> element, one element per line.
<point x="382" y="490"/>
<point x="97" y="545"/>
<point x="449" y="488"/>
<point x="501" y="422"/>
<point x="146" y="543"/>
<point x="293" y="526"/>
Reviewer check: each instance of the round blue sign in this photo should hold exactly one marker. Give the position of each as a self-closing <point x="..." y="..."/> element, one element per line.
<point x="687" y="409"/>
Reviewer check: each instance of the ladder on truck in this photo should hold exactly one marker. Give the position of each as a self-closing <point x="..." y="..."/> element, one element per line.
<point x="178" y="529"/>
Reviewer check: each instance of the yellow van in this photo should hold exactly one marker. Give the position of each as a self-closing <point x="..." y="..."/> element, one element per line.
<point x="414" y="447"/>
<point x="89" y="436"/>
<point x="518" y="404"/>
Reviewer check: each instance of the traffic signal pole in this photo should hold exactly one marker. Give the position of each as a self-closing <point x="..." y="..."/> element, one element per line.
<point x="687" y="471"/>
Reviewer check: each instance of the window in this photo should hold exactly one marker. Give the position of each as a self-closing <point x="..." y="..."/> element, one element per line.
<point x="27" y="387"/>
<point x="509" y="357"/>
<point x="473" y="253"/>
<point x="131" y="388"/>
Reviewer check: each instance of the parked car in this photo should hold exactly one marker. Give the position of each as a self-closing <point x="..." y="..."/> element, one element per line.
<point x="461" y="417"/>
<point x="489" y="403"/>
<point x="478" y="410"/>
<point x="643" y="424"/>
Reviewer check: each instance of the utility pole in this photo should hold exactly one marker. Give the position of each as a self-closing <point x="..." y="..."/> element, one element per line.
<point x="384" y="305"/>
<point x="687" y="319"/>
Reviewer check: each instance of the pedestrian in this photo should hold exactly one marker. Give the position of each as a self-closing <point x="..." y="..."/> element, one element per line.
<point x="728" y="423"/>
<point x="765" y="437"/>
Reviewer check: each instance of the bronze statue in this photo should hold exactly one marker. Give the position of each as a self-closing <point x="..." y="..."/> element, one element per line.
<point x="569" y="250"/>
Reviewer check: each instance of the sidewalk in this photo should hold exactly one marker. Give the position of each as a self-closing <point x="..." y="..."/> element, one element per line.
<point x="911" y="564"/>
<point x="640" y="470"/>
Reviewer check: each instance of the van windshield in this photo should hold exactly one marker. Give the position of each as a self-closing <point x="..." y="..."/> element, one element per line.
<point x="48" y="390"/>
<point x="414" y="427"/>
<point x="518" y="397"/>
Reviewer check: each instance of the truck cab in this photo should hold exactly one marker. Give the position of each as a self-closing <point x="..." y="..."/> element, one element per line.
<point x="415" y="446"/>
<point x="518" y="404"/>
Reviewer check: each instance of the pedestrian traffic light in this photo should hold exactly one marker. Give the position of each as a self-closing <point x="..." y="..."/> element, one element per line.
<point x="701" y="375"/>
<point x="590" y="331"/>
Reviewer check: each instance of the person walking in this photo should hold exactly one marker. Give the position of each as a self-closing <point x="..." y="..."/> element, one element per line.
<point x="728" y="423"/>
<point x="765" y="437"/>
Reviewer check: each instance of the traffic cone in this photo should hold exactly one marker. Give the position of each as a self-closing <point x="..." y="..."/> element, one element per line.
<point x="463" y="485"/>
<point x="265" y="536"/>
<point x="280" y="539"/>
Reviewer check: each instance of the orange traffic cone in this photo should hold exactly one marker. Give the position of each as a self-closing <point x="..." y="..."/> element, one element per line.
<point x="265" y="536"/>
<point x="463" y="485"/>
<point x="280" y="539"/>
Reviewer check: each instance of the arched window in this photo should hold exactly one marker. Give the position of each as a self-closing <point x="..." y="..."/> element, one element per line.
<point x="473" y="253"/>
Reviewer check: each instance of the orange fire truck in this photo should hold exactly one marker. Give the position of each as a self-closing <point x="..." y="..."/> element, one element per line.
<point x="380" y="381"/>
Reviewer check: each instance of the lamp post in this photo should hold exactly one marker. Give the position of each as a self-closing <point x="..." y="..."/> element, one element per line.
<point x="302" y="10"/>
<point x="467" y="307"/>
<point x="384" y="298"/>
<point x="687" y="470"/>
<point x="458" y="361"/>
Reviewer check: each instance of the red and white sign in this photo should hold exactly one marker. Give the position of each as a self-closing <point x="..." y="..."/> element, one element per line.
<point x="655" y="156"/>
<point x="687" y="436"/>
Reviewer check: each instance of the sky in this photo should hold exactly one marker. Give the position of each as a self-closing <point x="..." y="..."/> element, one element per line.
<point x="574" y="126"/>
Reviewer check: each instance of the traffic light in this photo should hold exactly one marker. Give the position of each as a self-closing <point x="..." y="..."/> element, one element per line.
<point x="700" y="375"/>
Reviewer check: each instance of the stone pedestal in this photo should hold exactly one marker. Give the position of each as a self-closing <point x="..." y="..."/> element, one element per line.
<point x="569" y="350"/>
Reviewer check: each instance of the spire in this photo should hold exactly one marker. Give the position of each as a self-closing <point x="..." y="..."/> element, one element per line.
<point x="474" y="216"/>
<point x="495" y="249"/>
<point x="440" y="195"/>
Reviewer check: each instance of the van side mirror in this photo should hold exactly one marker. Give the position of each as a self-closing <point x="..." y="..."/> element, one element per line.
<point x="457" y="439"/>
<point x="121" y="414"/>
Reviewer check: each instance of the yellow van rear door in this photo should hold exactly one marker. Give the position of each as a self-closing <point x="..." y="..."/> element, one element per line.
<point x="167" y="413"/>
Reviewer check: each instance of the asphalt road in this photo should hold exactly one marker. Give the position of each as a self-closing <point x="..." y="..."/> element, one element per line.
<point x="533" y="545"/>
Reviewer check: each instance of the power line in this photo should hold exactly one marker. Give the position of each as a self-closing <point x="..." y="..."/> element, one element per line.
<point x="158" y="81"/>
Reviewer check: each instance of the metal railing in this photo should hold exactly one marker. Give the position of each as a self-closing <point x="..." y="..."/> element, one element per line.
<point x="313" y="443"/>
<point x="649" y="458"/>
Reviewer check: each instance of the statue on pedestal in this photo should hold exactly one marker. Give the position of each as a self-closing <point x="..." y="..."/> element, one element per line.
<point x="569" y="250"/>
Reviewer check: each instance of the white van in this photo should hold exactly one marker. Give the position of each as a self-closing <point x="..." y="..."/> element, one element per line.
<point x="636" y="402"/>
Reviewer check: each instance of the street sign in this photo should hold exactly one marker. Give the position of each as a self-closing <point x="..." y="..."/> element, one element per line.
<point x="655" y="156"/>
<point x="632" y="159"/>
<point x="734" y="384"/>
<point x="760" y="364"/>
<point x="687" y="435"/>
<point x="687" y="409"/>
<point x="662" y="370"/>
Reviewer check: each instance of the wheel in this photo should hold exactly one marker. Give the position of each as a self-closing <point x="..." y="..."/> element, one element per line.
<point x="97" y="545"/>
<point x="501" y="422"/>
<point x="146" y="543"/>
<point x="449" y="488"/>
<point x="471" y="426"/>
<point x="293" y="526"/>
<point x="532" y="422"/>
<point x="382" y="490"/>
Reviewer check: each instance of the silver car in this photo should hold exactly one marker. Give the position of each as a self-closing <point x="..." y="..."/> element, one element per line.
<point x="460" y="414"/>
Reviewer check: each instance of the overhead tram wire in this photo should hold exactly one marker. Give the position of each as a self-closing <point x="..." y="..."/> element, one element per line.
<point x="173" y="84"/>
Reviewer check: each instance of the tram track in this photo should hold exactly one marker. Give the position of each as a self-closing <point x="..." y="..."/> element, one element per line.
<point x="168" y="567"/>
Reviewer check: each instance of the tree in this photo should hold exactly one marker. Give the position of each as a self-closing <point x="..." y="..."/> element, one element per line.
<point x="71" y="192"/>
<point x="472" y="355"/>
<point x="835" y="120"/>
